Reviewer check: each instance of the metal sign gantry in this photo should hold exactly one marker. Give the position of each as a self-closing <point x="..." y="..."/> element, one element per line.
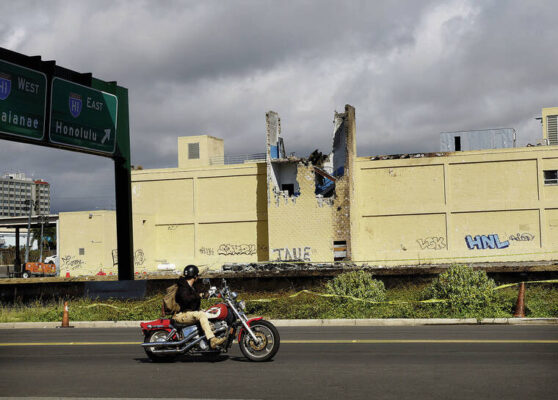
<point x="45" y="104"/>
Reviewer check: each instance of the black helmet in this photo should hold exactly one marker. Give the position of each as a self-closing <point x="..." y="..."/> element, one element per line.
<point x="191" y="271"/>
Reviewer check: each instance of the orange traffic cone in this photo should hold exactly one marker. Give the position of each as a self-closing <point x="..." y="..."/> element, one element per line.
<point x="65" y="317"/>
<point x="520" y="305"/>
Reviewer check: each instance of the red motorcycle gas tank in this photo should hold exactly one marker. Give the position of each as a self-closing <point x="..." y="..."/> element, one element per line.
<point x="218" y="312"/>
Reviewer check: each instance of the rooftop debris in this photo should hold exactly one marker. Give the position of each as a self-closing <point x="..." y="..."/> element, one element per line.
<point x="409" y="155"/>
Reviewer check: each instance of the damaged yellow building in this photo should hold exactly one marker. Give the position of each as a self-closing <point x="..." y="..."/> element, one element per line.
<point x="497" y="205"/>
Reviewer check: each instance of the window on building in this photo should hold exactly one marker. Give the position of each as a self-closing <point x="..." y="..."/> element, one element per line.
<point x="551" y="177"/>
<point x="81" y="251"/>
<point x="457" y="143"/>
<point x="193" y="151"/>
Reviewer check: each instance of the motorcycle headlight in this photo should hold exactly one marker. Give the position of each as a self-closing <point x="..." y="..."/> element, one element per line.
<point x="234" y="295"/>
<point x="242" y="305"/>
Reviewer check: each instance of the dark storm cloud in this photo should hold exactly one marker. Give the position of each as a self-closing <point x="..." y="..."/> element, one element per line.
<point x="412" y="69"/>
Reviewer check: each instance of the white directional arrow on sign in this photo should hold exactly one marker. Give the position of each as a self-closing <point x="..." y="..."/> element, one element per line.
<point x="106" y="137"/>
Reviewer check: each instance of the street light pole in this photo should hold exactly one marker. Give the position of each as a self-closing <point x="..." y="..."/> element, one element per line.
<point x="42" y="219"/>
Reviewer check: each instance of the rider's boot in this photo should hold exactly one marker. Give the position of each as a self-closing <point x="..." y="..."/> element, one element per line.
<point x="215" y="341"/>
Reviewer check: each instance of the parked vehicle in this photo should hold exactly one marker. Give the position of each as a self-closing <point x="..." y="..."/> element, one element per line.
<point x="258" y="339"/>
<point x="52" y="259"/>
<point x="38" y="269"/>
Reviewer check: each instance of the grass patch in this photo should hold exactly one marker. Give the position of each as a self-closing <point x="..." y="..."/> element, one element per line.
<point x="541" y="302"/>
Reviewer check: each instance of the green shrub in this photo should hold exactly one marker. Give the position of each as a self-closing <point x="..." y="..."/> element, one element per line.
<point x="468" y="292"/>
<point x="359" y="284"/>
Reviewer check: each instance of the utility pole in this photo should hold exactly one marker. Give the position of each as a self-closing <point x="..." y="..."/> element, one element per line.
<point x="29" y="204"/>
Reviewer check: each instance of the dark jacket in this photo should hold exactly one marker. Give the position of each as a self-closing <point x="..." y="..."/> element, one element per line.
<point x="187" y="297"/>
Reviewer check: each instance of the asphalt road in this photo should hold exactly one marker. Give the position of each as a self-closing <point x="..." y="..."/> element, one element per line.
<point x="427" y="362"/>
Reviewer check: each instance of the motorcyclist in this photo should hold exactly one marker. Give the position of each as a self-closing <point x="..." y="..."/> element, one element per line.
<point x="189" y="299"/>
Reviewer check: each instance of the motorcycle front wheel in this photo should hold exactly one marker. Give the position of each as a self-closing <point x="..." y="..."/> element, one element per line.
<point x="157" y="336"/>
<point x="267" y="346"/>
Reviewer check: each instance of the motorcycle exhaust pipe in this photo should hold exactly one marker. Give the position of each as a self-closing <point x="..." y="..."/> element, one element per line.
<point x="180" y="343"/>
<point x="174" y="344"/>
<point x="179" y="351"/>
<point x="187" y="347"/>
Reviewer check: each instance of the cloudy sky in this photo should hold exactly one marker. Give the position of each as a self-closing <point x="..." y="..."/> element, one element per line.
<point x="412" y="69"/>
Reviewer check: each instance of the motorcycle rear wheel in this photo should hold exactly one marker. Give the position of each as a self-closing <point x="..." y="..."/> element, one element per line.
<point x="157" y="336"/>
<point x="269" y="346"/>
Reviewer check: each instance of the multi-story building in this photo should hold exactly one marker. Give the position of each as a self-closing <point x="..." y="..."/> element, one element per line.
<point x="16" y="188"/>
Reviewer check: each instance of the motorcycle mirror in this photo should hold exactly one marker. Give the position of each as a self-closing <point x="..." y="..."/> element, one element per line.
<point x="205" y="281"/>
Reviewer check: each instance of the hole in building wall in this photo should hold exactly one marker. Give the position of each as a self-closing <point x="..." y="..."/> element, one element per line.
<point x="339" y="250"/>
<point x="288" y="187"/>
<point x="323" y="168"/>
<point x="284" y="177"/>
<point x="325" y="183"/>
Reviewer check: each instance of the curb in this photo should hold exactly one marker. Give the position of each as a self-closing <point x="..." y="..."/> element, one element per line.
<point x="310" y="322"/>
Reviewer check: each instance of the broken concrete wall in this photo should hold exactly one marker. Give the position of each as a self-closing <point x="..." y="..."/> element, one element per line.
<point x="309" y="217"/>
<point x="300" y="225"/>
<point x="344" y="154"/>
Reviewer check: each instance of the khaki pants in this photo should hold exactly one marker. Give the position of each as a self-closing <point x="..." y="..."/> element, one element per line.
<point x="192" y="317"/>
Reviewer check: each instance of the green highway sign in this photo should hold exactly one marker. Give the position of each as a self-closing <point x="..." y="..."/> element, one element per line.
<point x="22" y="101"/>
<point x="82" y="117"/>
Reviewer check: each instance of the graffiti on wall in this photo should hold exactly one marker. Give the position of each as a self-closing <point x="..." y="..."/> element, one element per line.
<point x="236" y="249"/>
<point x="227" y="249"/>
<point x="484" y="242"/>
<point x="139" y="257"/>
<point x="293" y="254"/>
<point x="522" y="237"/>
<point x="432" y="243"/>
<point x="70" y="262"/>
<point x="208" y="251"/>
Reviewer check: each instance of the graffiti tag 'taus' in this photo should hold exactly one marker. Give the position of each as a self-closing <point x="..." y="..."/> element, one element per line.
<point x="294" y="254"/>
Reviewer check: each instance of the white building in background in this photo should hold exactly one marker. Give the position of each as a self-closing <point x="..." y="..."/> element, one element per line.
<point x="16" y="188"/>
<point x="482" y="139"/>
<point x="8" y="239"/>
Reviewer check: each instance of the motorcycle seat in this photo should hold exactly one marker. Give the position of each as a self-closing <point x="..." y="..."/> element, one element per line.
<point x="177" y="324"/>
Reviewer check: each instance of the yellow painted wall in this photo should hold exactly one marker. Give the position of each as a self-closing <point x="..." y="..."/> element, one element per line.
<point x="208" y="216"/>
<point x="95" y="233"/>
<point x="421" y="210"/>
<point x="300" y="228"/>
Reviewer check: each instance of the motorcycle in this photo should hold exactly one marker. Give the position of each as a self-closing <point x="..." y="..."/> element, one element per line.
<point x="165" y="339"/>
